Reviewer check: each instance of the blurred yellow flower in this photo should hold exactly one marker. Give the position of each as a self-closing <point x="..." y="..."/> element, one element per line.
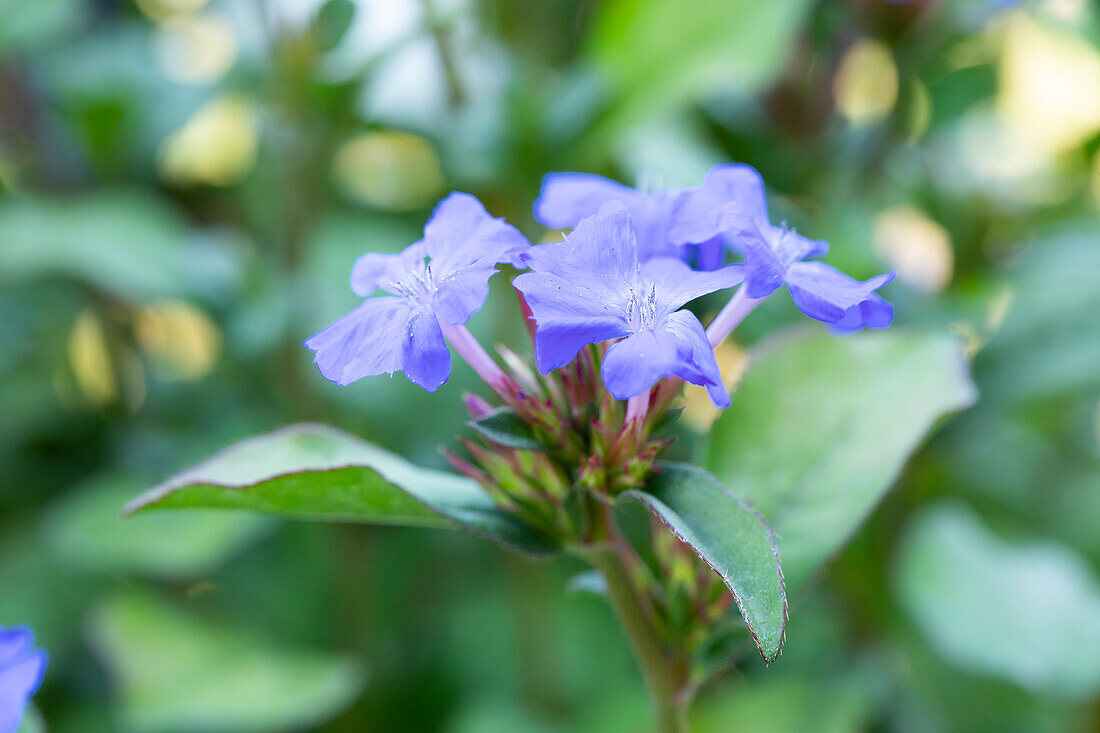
<point x="163" y="9"/>
<point x="699" y="412"/>
<point x="90" y="360"/>
<point x="390" y="170"/>
<point x="1049" y="85"/>
<point x="917" y="246"/>
<point x="866" y="84"/>
<point x="182" y="340"/>
<point x="195" y="49"/>
<point x="217" y="146"/>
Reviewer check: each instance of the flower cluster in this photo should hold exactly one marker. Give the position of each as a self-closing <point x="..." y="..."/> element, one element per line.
<point x="619" y="280"/>
<point x="21" y="670"/>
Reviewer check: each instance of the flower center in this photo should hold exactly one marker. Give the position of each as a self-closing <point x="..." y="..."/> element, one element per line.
<point x="641" y="312"/>
<point x="788" y="246"/>
<point x="418" y="285"/>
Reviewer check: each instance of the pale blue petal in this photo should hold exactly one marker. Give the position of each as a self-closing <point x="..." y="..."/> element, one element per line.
<point x="875" y="312"/>
<point x="566" y="198"/>
<point x="677" y="347"/>
<point x="374" y="270"/>
<point x="21" y="671"/>
<point x="557" y="341"/>
<point x="461" y="294"/>
<point x="731" y="199"/>
<point x="764" y="273"/>
<point x="677" y="284"/>
<point x="825" y="293"/>
<point x="18" y="681"/>
<point x="791" y="247"/>
<point x="14" y="642"/>
<point x="365" y="342"/>
<point x="461" y="234"/>
<point x="602" y="248"/>
<point x="711" y="254"/>
<point x="424" y="355"/>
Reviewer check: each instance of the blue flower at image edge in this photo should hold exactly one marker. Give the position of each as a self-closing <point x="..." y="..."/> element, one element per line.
<point x="21" y="670"/>
<point x="439" y="281"/>
<point x="731" y="203"/>
<point x="592" y="288"/>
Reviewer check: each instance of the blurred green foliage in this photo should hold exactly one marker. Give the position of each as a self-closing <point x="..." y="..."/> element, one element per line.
<point x="184" y="185"/>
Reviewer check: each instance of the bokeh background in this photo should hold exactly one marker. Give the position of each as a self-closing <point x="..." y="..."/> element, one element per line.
<point x="184" y="185"/>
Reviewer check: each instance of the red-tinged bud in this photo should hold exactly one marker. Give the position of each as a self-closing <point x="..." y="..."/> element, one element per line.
<point x="476" y="406"/>
<point x="528" y="316"/>
<point x="465" y="468"/>
<point x="593" y="475"/>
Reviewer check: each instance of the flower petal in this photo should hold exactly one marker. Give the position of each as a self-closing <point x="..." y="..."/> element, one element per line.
<point x="677" y="284"/>
<point x="764" y="272"/>
<point x="875" y="312"/>
<point x="578" y="290"/>
<point x="461" y="234"/>
<point x="558" y="341"/>
<point x="374" y="270"/>
<point x="566" y="198"/>
<point x="731" y="199"/>
<point x="21" y="670"/>
<point x="677" y="347"/>
<point x="365" y="342"/>
<point x="711" y="254"/>
<point x="825" y="293"/>
<point x="424" y="355"/>
<point x="462" y="293"/>
<point x="603" y="247"/>
<point x="18" y="681"/>
<point x="14" y="642"/>
<point x="569" y="314"/>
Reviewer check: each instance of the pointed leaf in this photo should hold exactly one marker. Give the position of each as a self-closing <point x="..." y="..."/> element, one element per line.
<point x="315" y="472"/>
<point x="822" y="426"/>
<point x="505" y="427"/>
<point x="729" y="537"/>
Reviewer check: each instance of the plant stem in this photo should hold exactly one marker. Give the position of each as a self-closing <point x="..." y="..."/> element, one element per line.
<point x="636" y="408"/>
<point x="739" y="306"/>
<point x="475" y="355"/>
<point x="662" y="674"/>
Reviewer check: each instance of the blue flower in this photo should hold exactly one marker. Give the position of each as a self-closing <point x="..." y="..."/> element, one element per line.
<point x="435" y="285"/>
<point x="21" y="670"/>
<point x="591" y="288"/>
<point x="731" y="202"/>
<point x="566" y="198"/>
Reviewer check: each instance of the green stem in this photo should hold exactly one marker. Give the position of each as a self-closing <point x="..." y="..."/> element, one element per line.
<point x="663" y="674"/>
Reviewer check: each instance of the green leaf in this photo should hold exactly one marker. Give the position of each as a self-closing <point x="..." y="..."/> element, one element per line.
<point x="332" y="22"/>
<point x="658" y="55"/>
<point x="505" y="427"/>
<point x="1026" y="612"/>
<point x="129" y="243"/>
<point x="175" y="672"/>
<point x="315" y="472"/>
<point x="86" y="530"/>
<point x="729" y="537"/>
<point x="822" y="426"/>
